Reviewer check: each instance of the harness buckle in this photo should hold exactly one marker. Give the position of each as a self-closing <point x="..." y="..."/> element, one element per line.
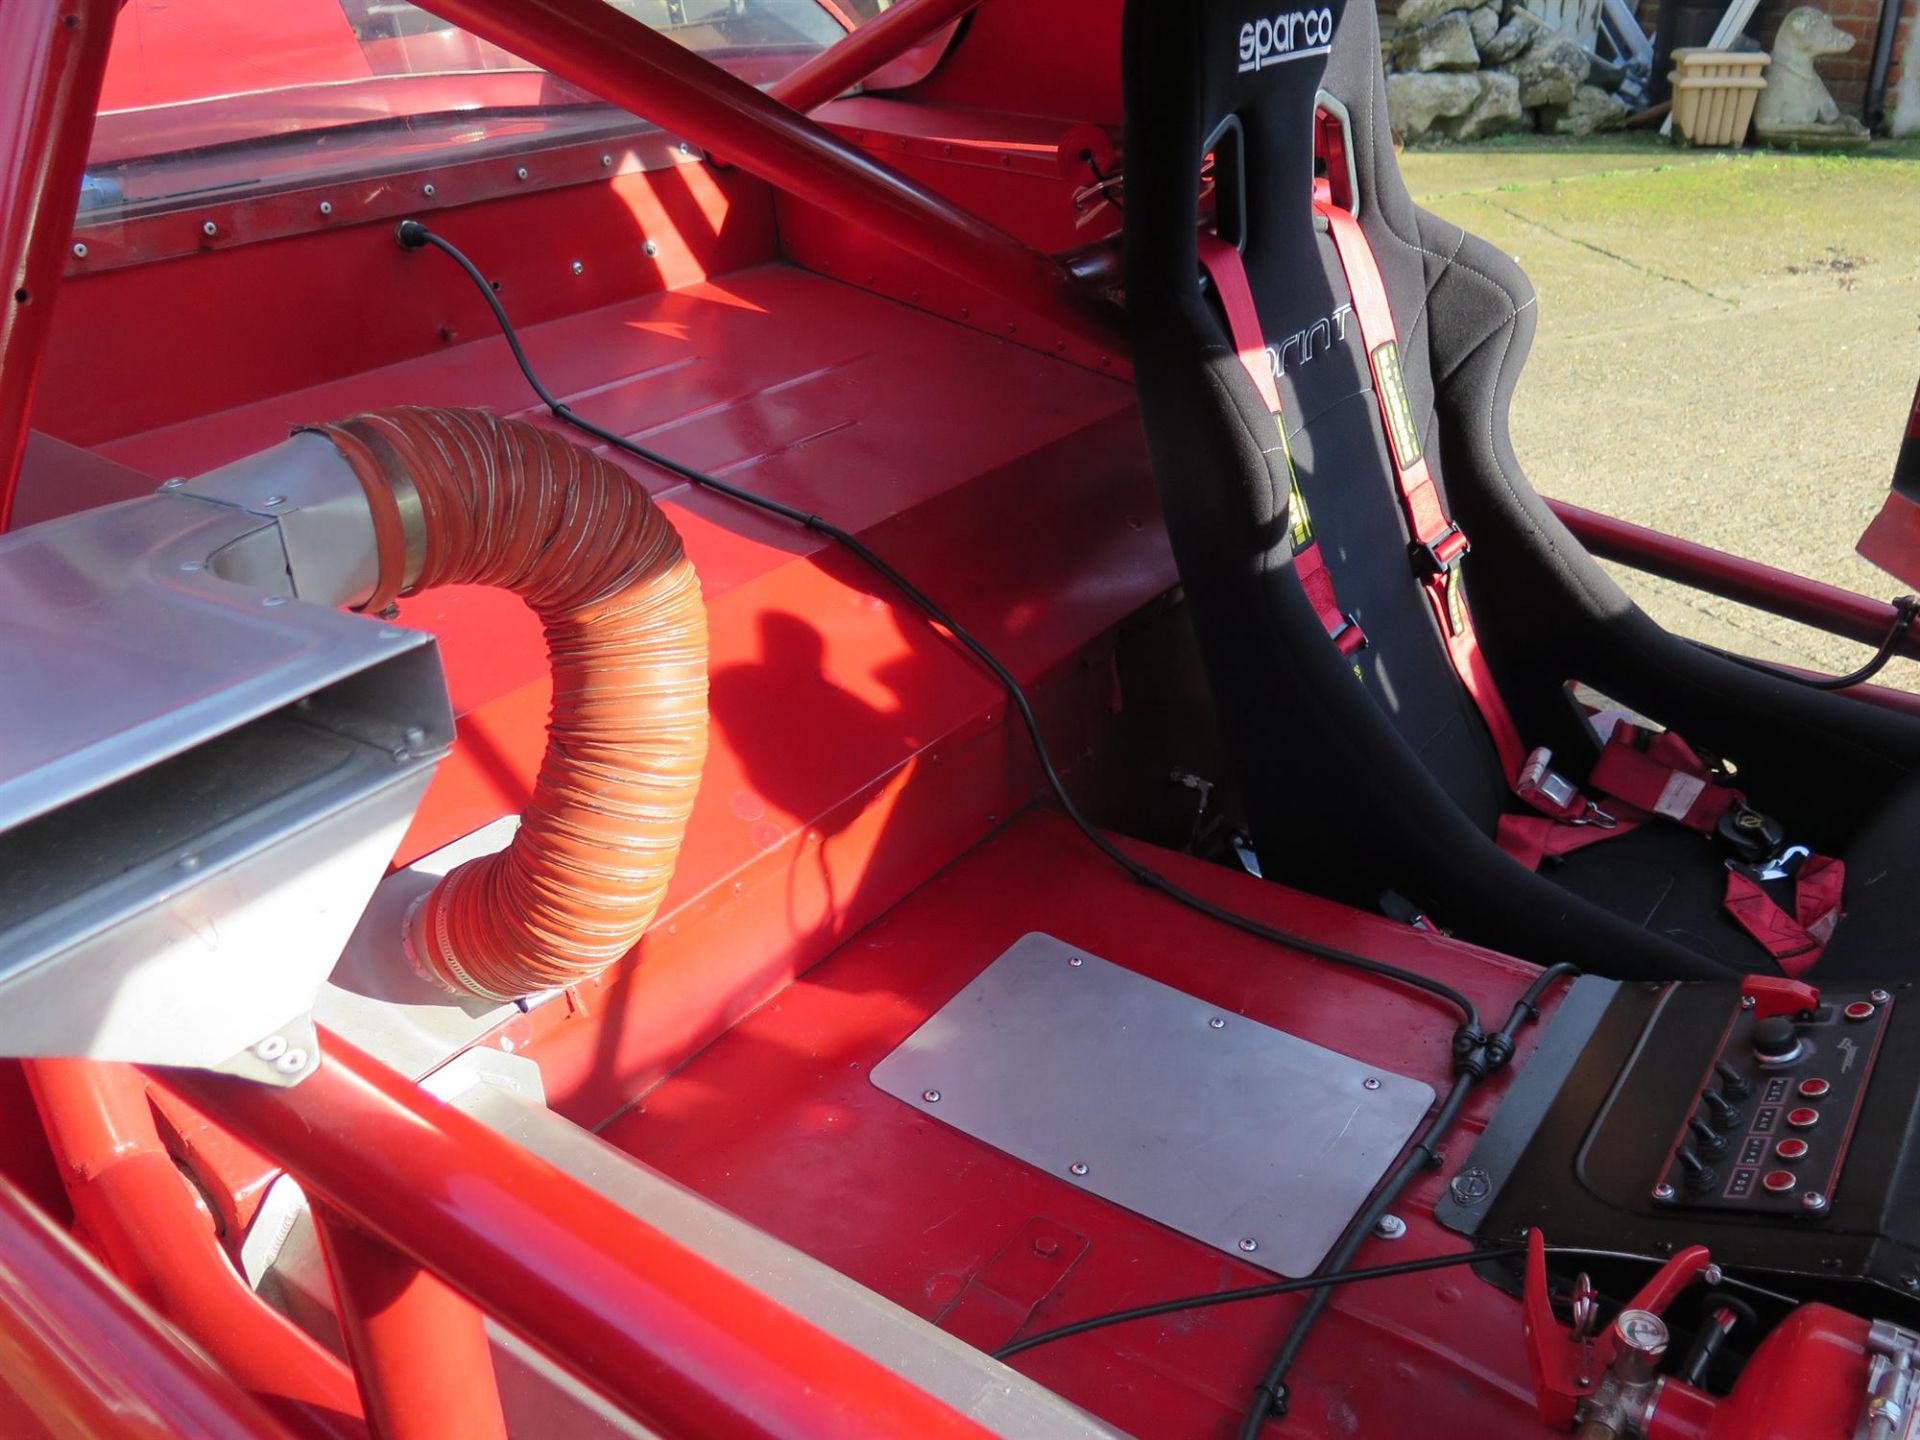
<point x="1547" y="790"/>
<point x="1442" y="554"/>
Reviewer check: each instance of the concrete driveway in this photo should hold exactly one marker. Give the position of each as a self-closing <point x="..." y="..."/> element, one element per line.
<point x="1727" y="348"/>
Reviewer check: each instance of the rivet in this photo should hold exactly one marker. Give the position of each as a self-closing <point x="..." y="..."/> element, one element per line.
<point x="291" y="1063"/>
<point x="1746" y="1002"/>
<point x="932" y="1097"/>
<point x="578" y="268"/>
<point x="193" y="565"/>
<point x="651" y="248"/>
<point x="1249" y="1244"/>
<point x="1216" y="1023"/>
<point x="1813" y="1202"/>
<point x="415" y="735"/>
<point x="271" y="1048"/>
<point x="521" y="173"/>
<point x="1079" y="1167"/>
<point x="427" y="190"/>
<point x="273" y="500"/>
<point x="506" y="1044"/>
<point x="209" y="229"/>
<point x="79" y="250"/>
<point x="1075" y="961"/>
<point x="685" y="149"/>
<point x="174" y="484"/>
<point x="1389" y="1227"/>
<point x="1879" y="997"/>
<point x="606" y="162"/>
<point x="189" y="862"/>
<point x="273" y="600"/>
<point x="326" y="207"/>
<point x="1663" y="1192"/>
<point x="1372" y="1082"/>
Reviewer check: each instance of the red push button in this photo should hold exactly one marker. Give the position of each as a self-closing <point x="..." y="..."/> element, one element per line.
<point x="1859" y="1010"/>
<point x="1813" y="1089"/>
<point x="1803" y="1118"/>
<point x="1791" y="1149"/>
<point x="1778" y="1182"/>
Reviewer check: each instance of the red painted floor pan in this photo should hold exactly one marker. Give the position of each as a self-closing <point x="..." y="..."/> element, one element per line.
<point x="777" y="1121"/>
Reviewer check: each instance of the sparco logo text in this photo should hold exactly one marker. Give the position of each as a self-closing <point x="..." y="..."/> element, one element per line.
<point x="1287" y="36"/>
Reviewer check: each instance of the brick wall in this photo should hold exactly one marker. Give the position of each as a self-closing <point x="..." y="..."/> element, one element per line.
<point x="1846" y="75"/>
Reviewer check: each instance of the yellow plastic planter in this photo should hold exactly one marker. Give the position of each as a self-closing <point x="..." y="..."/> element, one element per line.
<point x="1714" y="92"/>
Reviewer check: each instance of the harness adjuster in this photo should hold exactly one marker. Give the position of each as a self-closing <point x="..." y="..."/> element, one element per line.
<point x="1348" y="635"/>
<point x="1442" y="554"/>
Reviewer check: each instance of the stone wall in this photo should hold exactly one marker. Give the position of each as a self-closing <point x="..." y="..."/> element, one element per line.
<point x="1467" y="69"/>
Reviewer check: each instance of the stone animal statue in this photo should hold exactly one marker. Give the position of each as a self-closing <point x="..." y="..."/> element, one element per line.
<point x="1795" y="107"/>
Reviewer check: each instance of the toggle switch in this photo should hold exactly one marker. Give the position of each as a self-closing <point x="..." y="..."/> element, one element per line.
<point x="1710" y="1141"/>
<point x="1732" y="1083"/>
<point x="1722" y="1114"/>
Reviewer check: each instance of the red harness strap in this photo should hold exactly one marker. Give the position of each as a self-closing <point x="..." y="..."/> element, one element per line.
<point x="1795" y="941"/>
<point x="1223" y="266"/>
<point x="1641" y="774"/>
<point x="1438" y="543"/>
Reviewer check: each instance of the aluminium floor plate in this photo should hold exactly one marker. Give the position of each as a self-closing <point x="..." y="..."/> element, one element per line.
<point x="1239" y="1135"/>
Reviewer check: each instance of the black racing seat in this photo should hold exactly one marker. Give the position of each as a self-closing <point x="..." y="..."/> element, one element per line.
<point x="1373" y="774"/>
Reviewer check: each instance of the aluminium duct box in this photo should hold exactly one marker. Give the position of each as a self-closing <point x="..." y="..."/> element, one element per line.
<point x="201" y="781"/>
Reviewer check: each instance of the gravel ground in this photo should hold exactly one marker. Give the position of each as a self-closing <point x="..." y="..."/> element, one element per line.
<point x="1727" y="348"/>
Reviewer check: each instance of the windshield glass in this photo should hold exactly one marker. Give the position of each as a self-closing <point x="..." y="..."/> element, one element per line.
<point x="213" y="98"/>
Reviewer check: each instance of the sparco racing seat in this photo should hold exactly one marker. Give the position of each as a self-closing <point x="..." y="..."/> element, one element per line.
<point x="1392" y="620"/>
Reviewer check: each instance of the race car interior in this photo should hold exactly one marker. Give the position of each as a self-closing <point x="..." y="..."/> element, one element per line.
<point x="724" y="728"/>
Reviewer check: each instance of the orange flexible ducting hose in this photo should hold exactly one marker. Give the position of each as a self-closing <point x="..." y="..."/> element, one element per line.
<point x="508" y="504"/>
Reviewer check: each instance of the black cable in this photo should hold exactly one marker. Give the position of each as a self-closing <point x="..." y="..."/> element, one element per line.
<point x="1318" y="1282"/>
<point x="1469" y="1040"/>
<point x="1257" y="1292"/>
<point x="1270" y="1395"/>
<point x="1475" y="1054"/>
<point x="1906" y="610"/>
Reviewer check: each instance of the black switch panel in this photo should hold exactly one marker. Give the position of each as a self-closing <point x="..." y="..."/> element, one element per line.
<point x="1805" y="1076"/>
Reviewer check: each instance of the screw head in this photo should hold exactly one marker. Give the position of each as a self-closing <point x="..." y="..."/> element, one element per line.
<point x="650" y="249"/>
<point x="685" y="149"/>
<point x="427" y="190"/>
<point x="578" y="268"/>
<point x="1813" y="1202"/>
<point x="1663" y="1192"/>
<point x="174" y="484"/>
<point x="291" y="1063"/>
<point x="1216" y="1023"/>
<point x="1075" y="961"/>
<point x="1389" y="1227"/>
<point x="1372" y="1082"/>
<point x="1879" y="997"/>
<point x="1746" y="1002"/>
<point x="209" y="229"/>
<point x="932" y="1097"/>
<point x="1249" y="1244"/>
<point x="272" y="600"/>
<point x="521" y="173"/>
<point x="1079" y="1167"/>
<point x="506" y="1044"/>
<point x="271" y="1048"/>
<point x="606" y="162"/>
<point x="192" y="565"/>
<point x="326" y="207"/>
<point x="79" y="250"/>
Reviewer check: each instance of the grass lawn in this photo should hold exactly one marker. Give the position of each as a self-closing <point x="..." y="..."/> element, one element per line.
<point x="1728" y="345"/>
